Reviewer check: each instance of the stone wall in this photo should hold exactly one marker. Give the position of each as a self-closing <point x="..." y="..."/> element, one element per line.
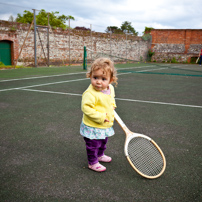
<point x="65" y="45"/>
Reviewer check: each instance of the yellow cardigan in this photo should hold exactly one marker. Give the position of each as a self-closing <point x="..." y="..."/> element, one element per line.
<point x="95" y="105"/>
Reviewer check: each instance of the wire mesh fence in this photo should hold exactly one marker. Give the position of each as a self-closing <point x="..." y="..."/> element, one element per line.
<point x="35" y="45"/>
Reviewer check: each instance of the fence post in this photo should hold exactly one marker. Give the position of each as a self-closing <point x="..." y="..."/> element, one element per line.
<point x="84" y="59"/>
<point x="69" y="45"/>
<point x="48" y="53"/>
<point x="35" y="47"/>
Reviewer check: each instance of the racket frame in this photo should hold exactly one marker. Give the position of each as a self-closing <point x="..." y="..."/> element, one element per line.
<point x="130" y="135"/>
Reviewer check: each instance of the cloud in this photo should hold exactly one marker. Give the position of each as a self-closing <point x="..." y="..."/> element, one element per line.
<point x="100" y="14"/>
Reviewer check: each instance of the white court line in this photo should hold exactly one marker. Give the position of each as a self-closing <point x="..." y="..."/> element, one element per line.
<point x="143" y="70"/>
<point x="52" y="92"/>
<point x="122" y="99"/>
<point x="45" y="84"/>
<point x="134" y="67"/>
<point x="152" y="102"/>
<point x="85" y="72"/>
<point x="73" y="80"/>
<point x="39" y="77"/>
<point x="161" y="103"/>
<point x="152" y="69"/>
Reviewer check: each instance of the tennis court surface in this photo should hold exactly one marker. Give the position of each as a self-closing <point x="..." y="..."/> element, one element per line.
<point x="43" y="156"/>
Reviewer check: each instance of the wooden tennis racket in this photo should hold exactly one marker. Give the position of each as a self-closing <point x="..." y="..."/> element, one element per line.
<point x="143" y="154"/>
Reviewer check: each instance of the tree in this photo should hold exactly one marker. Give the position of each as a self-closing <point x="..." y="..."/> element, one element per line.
<point x="114" y="29"/>
<point x="146" y="34"/>
<point x="11" y="19"/>
<point x="55" y="19"/>
<point x="126" y="27"/>
<point x="82" y="28"/>
<point x="26" y="18"/>
<point x="147" y="30"/>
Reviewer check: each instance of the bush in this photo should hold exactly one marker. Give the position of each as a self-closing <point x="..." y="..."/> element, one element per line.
<point x="193" y="60"/>
<point x="2" y="64"/>
<point x="174" y="60"/>
<point x="150" y="54"/>
<point x="146" y="37"/>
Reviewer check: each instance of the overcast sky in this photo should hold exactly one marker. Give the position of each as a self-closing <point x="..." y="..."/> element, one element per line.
<point x="159" y="14"/>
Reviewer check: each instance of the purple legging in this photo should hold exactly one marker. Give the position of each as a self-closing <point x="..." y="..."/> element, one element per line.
<point x="95" y="149"/>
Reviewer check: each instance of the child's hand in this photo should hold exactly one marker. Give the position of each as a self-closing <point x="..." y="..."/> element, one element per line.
<point x="106" y="120"/>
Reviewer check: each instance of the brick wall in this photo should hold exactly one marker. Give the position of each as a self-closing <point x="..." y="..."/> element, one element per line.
<point x="62" y="43"/>
<point x="183" y="44"/>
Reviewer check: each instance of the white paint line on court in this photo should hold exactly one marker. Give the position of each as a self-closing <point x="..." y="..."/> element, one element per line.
<point x="52" y="92"/>
<point x="161" y="103"/>
<point x="46" y="84"/>
<point x="122" y="99"/>
<point x="147" y="70"/>
<point x="134" y="67"/>
<point x="57" y="75"/>
<point x="130" y="100"/>
<point x="152" y="69"/>
<point x="39" y="77"/>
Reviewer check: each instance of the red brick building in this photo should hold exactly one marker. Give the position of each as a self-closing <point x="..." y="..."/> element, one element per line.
<point x="183" y="44"/>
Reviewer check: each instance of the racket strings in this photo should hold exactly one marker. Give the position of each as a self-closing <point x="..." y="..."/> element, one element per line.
<point x="145" y="156"/>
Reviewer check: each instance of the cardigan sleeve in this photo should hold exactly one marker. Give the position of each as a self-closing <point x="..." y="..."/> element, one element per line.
<point x="113" y="96"/>
<point x="88" y="108"/>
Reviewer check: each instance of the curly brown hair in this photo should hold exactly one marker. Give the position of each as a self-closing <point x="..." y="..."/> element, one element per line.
<point x="108" y="67"/>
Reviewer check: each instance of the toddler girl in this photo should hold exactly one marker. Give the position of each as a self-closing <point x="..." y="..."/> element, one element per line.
<point x="98" y="106"/>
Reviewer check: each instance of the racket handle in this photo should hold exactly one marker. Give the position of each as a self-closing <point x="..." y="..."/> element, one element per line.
<point x="118" y="119"/>
<point x="121" y="123"/>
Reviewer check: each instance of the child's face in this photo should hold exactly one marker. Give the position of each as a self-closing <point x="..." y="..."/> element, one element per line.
<point x="100" y="80"/>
